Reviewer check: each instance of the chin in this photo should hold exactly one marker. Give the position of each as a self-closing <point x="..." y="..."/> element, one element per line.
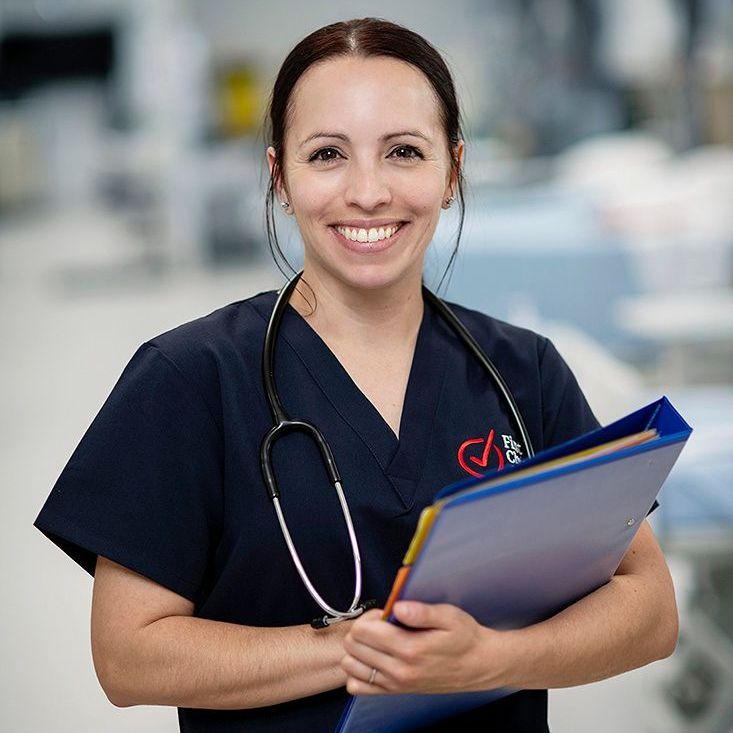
<point x="374" y="277"/>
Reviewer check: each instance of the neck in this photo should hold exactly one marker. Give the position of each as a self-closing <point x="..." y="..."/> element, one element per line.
<point x="343" y="313"/>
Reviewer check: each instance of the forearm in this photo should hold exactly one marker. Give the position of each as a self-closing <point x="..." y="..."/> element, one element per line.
<point x="186" y="661"/>
<point x="625" y="624"/>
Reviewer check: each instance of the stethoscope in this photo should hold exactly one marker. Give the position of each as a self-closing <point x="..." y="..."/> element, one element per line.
<point x="284" y="425"/>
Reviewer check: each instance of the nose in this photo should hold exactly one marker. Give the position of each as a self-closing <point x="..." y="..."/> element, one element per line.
<point x="367" y="185"/>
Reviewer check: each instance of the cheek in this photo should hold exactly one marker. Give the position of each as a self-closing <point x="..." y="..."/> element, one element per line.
<point x="425" y="194"/>
<point x="315" y="195"/>
<point x="308" y="206"/>
<point x="426" y="200"/>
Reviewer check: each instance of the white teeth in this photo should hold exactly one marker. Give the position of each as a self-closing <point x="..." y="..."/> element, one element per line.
<point x="367" y="235"/>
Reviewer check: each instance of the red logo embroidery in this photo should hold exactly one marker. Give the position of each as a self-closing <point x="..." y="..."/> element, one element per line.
<point x="483" y="461"/>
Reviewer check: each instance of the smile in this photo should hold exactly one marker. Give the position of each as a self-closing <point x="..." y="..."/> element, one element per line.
<point x="367" y="235"/>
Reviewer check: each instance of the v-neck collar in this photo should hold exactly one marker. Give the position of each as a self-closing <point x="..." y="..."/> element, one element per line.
<point x="402" y="459"/>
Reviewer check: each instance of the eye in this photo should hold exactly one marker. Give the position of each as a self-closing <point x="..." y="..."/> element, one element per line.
<point x="320" y="157"/>
<point x="411" y="152"/>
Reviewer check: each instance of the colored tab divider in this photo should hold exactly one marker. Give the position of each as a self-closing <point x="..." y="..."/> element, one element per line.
<point x="430" y="513"/>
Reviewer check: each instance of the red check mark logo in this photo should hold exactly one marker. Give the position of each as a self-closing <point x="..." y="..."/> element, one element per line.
<point x="482" y="462"/>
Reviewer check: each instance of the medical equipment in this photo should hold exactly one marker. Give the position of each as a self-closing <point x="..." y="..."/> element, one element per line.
<point x="284" y="425"/>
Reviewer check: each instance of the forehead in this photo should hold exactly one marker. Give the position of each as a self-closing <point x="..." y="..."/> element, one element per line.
<point x="363" y="95"/>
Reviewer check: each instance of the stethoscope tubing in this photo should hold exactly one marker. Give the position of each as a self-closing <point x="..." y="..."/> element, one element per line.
<point x="284" y="425"/>
<point x="447" y="313"/>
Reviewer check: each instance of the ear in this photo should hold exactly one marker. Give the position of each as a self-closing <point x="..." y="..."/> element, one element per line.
<point x="460" y="149"/>
<point x="451" y="187"/>
<point x="271" y="158"/>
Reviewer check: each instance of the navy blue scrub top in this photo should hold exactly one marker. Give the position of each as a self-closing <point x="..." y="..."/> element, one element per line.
<point x="166" y="481"/>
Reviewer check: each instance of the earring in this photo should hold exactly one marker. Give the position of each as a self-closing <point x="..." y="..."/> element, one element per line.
<point x="285" y="205"/>
<point x="449" y="201"/>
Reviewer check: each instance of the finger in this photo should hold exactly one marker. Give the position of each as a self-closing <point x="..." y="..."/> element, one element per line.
<point x="378" y="634"/>
<point x="357" y="686"/>
<point x="368" y="655"/>
<point x="356" y="668"/>
<point x="426" y="615"/>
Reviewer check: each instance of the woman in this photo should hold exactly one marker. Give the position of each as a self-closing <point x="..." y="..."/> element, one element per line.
<point x="197" y="602"/>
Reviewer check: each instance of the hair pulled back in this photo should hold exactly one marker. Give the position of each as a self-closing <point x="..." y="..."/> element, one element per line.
<point x="363" y="37"/>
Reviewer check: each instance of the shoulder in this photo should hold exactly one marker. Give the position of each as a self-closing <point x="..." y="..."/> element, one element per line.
<point x="207" y="356"/>
<point x="540" y="379"/>
<point x="231" y="331"/>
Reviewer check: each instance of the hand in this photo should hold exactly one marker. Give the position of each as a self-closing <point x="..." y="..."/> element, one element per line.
<point x="444" y="650"/>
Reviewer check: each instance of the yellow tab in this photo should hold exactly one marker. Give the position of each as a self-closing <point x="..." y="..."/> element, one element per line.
<point x="427" y="517"/>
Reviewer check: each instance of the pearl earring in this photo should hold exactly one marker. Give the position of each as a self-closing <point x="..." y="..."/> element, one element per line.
<point x="449" y="201"/>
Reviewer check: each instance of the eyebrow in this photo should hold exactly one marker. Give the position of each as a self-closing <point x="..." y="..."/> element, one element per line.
<point x="384" y="138"/>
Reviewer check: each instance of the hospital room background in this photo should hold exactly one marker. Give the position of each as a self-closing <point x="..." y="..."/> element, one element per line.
<point x="600" y="213"/>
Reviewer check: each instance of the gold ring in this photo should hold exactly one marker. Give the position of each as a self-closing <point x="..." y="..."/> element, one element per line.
<point x="372" y="675"/>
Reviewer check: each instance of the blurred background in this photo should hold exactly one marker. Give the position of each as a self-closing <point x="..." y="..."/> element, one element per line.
<point x="600" y="212"/>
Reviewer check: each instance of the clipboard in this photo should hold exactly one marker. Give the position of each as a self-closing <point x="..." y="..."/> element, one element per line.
<point x="518" y="546"/>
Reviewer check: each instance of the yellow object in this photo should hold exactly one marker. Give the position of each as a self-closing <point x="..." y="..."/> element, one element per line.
<point x="429" y="514"/>
<point x="239" y="101"/>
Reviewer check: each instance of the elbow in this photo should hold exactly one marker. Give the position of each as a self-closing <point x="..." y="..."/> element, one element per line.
<point x="114" y="691"/>
<point x="671" y="640"/>
<point x="118" y="697"/>
<point x="117" y="700"/>
<point x="669" y="630"/>
<point x="111" y="679"/>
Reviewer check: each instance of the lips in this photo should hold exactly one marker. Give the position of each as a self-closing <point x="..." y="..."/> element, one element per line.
<point x="368" y="247"/>
<point x="367" y="223"/>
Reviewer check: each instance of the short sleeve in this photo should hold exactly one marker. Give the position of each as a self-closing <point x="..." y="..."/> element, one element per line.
<point x="566" y="413"/>
<point x="144" y="485"/>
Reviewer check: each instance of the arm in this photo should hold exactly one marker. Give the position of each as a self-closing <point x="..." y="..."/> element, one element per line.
<point x="627" y="623"/>
<point x="148" y="649"/>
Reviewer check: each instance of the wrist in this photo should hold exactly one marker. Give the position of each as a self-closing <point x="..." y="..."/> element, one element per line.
<point x="496" y="660"/>
<point x="527" y="652"/>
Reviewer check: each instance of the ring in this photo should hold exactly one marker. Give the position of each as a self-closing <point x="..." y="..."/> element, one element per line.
<point x="372" y="675"/>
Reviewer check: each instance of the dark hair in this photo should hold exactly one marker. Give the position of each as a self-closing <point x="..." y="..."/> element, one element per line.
<point x="362" y="37"/>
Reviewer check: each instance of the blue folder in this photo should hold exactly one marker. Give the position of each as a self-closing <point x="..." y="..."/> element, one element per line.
<point x="518" y="553"/>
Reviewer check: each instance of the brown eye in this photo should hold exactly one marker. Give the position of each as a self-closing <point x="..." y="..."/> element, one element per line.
<point x="407" y="152"/>
<point x="324" y="155"/>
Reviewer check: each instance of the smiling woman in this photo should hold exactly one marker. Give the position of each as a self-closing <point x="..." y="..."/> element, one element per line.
<point x="385" y="163"/>
<point x="168" y="499"/>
